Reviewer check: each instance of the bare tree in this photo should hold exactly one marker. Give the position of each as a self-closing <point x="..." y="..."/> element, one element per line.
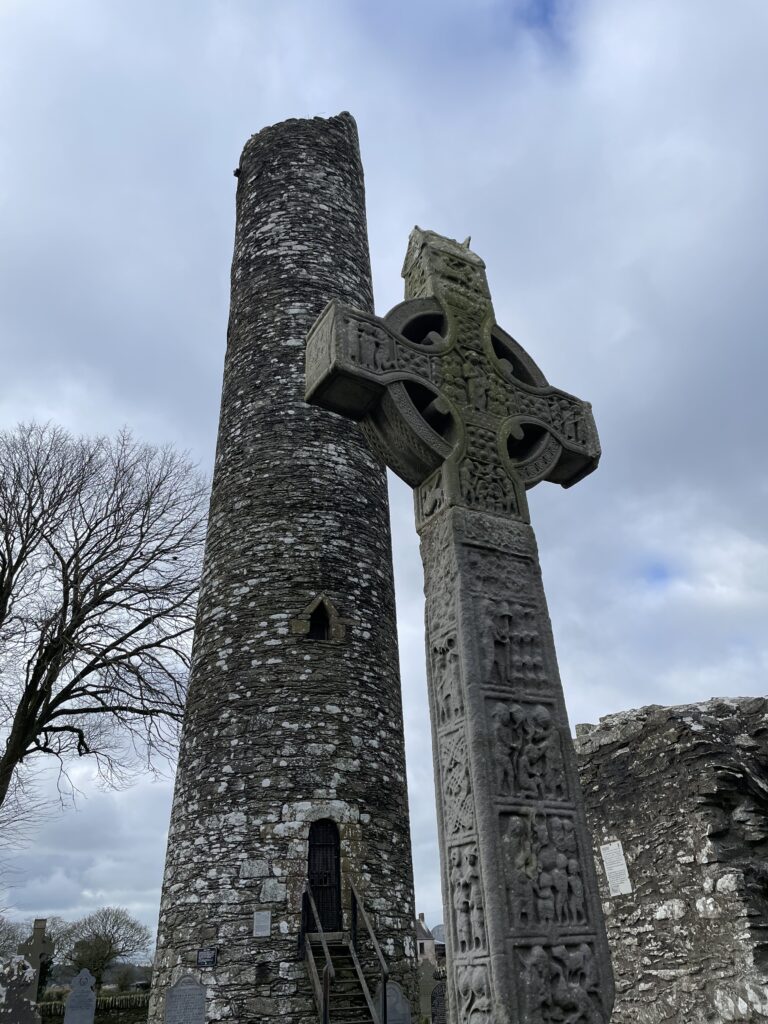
<point x="100" y="552"/>
<point x="12" y="933"/>
<point x="104" y="937"/>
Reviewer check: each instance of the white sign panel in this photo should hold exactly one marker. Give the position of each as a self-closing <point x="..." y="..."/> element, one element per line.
<point x="262" y="923"/>
<point x="616" y="869"/>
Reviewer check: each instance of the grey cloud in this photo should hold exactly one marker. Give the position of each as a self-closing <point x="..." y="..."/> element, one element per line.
<point x="608" y="163"/>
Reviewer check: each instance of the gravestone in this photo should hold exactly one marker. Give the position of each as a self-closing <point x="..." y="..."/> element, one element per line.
<point x="438" y="1004"/>
<point x="462" y="413"/>
<point x="36" y="950"/>
<point x="398" y="1007"/>
<point x="185" y="1002"/>
<point x="16" y="976"/>
<point x="81" y="1001"/>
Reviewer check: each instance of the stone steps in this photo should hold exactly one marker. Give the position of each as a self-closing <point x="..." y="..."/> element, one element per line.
<point x="348" y="1003"/>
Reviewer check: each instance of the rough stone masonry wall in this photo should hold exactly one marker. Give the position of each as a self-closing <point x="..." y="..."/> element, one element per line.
<point x="281" y="729"/>
<point x="685" y="789"/>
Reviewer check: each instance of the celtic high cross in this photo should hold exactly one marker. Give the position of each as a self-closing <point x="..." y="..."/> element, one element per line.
<point x="458" y="410"/>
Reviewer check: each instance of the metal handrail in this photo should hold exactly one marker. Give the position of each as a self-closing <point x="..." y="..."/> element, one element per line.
<point x="357" y="903"/>
<point x="329" y="973"/>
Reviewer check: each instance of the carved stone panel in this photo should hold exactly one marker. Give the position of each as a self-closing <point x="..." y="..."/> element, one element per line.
<point x="473" y="988"/>
<point x="446" y="677"/>
<point x="458" y="807"/>
<point x="543" y="875"/>
<point x="561" y="983"/>
<point x="468" y="901"/>
<point x="527" y="751"/>
<point x="512" y="646"/>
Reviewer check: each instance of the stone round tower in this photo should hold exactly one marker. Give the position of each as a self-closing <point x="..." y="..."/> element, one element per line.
<point x="292" y="766"/>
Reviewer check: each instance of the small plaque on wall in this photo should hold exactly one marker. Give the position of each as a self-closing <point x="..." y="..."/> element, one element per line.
<point x="262" y="924"/>
<point x="616" y="869"/>
<point x="207" y="957"/>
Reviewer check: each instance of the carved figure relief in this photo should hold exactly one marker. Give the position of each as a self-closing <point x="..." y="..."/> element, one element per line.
<point x="415" y="362"/>
<point x="440" y="579"/>
<point x="474" y="992"/>
<point x="430" y="496"/>
<point x="561" y="985"/>
<point x="542" y="871"/>
<point x="467" y="897"/>
<point x="486" y="486"/>
<point x="457" y="787"/>
<point x="447" y="680"/>
<point x="453" y="382"/>
<point x="481" y="442"/>
<point x="476" y="377"/>
<point x="527" y="752"/>
<point x="512" y="645"/>
<point x="374" y="349"/>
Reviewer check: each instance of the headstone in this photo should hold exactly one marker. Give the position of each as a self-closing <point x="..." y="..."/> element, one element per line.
<point x="438" y="1004"/>
<point x="462" y="413"/>
<point x="81" y="1002"/>
<point x="185" y="1002"/>
<point x="398" y="1008"/>
<point x="16" y="976"/>
<point x="36" y="950"/>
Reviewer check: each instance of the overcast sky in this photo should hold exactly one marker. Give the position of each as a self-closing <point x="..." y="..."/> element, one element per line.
<point x="608" y="159"/>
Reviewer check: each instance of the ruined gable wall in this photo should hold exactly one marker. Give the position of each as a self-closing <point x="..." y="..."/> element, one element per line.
<point x="685" y="789"/>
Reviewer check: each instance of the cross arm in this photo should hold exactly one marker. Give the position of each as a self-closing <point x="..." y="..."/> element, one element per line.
<point x="552" y="436"/>
<point x="353" y="356"/>
<point x="358" y="366"/>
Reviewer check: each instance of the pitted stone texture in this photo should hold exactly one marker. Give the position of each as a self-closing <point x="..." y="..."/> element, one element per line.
<point x="685" y="790"/>
<point x="282" y="729"/>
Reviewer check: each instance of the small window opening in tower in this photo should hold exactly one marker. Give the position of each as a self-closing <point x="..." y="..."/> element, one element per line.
<point x="319" y="623"/>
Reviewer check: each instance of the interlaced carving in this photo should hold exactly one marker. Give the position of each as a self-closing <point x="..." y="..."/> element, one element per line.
<point x="458" y="807"/>
<point x="502" y="430"/>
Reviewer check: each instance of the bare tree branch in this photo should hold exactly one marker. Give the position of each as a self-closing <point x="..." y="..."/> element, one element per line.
<point x="102" y="938"/>
<point x="100" y="553"/>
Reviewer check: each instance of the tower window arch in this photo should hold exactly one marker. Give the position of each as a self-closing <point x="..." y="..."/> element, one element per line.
<point x="320" y="620"/>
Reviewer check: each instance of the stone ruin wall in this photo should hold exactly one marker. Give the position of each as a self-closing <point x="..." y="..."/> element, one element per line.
<point x="685" y="789"/>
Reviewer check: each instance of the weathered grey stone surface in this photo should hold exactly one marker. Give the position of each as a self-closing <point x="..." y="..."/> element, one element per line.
<point x="283" y="728"/>
<point x="16" y="975"/>
<point x="185" y="1002"/>
<point x="36" y="950"/>
<point x="464" y="415"/>
<point x="80" y="1007"/>
<point x="685" y="790"/>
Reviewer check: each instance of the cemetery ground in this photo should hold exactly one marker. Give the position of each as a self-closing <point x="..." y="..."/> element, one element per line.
<point x="108" y="943"/>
